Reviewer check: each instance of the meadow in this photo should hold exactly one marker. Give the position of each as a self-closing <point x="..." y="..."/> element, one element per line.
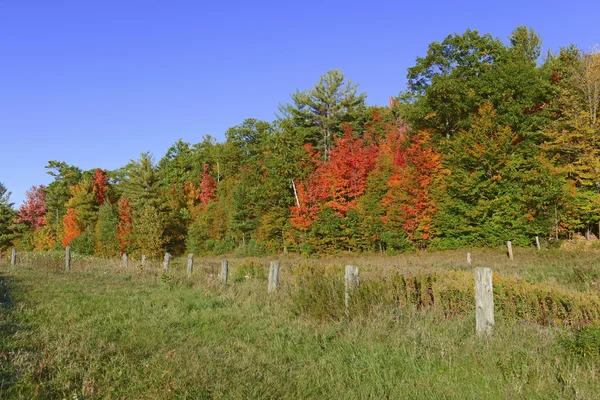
<point x="105" y="331"/>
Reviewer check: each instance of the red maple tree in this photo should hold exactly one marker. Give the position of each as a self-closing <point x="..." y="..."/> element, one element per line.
<point x="100" y="185"/>
<point x="338" y="182"/>
<point x="208" y="187"/>
<point x="33" y="209"/>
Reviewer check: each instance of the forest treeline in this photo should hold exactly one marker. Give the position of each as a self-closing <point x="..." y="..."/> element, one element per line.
<point x="489" y="142"/>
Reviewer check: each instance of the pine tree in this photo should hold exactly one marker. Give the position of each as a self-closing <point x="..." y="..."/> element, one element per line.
<point x="7" y="217"/>
<point x="317" y="114"/>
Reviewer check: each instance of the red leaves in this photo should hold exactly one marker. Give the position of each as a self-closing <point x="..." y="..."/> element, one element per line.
<point x="33" y="209"/>
<point x="338" y="182"/>
<point x="208" y="187"/>
<point x="203" y="193"/>
<point x="408" y="202"/>
<point x="125" y="225"/>
<point x="100" y="185"/>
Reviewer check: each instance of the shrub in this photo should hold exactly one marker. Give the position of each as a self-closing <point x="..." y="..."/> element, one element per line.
<point x="249" y="270"/>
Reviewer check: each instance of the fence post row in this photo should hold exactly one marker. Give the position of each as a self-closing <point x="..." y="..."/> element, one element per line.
<point x="484" y="301"/>
<point x="13" y="258"/>
<point x="352" y="281"/>
<point x="190" y="264"/>
<point x="510" y="252"/>
<point x="68" y="258"/>
<point x="224" y="271"/>
<point x="537" y="242"/>
<point x="143" y="261"/>
<point x="273" y="275"/>
<point x="124" y="260"/>
<point x="166" y="262"/>
<point x="468" y="258"/>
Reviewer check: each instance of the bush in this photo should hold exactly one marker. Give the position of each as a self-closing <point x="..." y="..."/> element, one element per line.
<point x="249" y="270"/>
<point x="252" y="249"/>
<point x="320" y="293"/>
<point x="83" y="244"/>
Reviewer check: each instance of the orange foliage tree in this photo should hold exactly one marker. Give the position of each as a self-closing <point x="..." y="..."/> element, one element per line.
<point x="409" y="203"/>
<point x="72" y="227"/>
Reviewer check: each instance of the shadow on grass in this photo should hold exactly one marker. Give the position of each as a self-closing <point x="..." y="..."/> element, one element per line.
<point x="9" y="325"/>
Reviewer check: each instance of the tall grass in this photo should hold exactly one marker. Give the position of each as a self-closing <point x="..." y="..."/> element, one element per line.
<point x="103" y="331"/>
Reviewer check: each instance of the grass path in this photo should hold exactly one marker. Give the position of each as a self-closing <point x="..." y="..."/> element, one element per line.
<point x="107" y="335"/>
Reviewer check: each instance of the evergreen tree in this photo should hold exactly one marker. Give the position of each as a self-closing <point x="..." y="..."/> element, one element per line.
<point x="7" y="217"/>
<point x="141" y="184"/>
<point x="317" y="114"/>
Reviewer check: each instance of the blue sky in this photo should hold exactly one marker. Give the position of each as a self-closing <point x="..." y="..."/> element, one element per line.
<point x="95" y="83"/>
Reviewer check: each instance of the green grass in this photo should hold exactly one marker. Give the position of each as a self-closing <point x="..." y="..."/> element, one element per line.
<point x="109" y="333"/>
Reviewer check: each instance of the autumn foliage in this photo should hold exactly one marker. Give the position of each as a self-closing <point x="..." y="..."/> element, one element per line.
<point x="409" y="203"/>
<point x="338" y="182"/>
<point x="33" y="209"/>
<point x="71" y="226"/>
<point x="100" y="185"/>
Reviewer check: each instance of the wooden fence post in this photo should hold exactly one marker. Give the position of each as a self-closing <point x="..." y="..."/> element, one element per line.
<point x="68" y="258"/>
<point x="166" y="262"/>
<point x="13" y="257"/>
<point x="352" y="281"/>
<point x="224" y="271"/>
<point x="537" y="242"/>
<point x="484" y="301"/>
<point x="273" y="275"/>
<point x="143" y="261"/>
<point x="510" y="252"/>
<point x="190" y="264"/>
<point x="468" y="258"/>
<point x="124" y="260"/>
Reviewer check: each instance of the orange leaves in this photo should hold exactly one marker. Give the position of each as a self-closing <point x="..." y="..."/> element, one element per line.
<point x="198" y="197"/>
<point x="72" y="227"/>
<point x="409" y="204"/>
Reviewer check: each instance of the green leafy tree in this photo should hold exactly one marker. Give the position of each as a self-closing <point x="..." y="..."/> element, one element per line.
<point x="107" y="242"/>
<point x="573" y="136"/>
<point x="444" y="86"/>
<point x="148" y="227"/>
<point x="498" y="188"/>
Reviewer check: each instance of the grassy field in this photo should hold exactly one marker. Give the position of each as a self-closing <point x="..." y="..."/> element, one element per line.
<point x="101" y="331"/>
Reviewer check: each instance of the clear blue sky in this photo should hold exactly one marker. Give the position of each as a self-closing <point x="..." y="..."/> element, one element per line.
<point x="95" y="83"/>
